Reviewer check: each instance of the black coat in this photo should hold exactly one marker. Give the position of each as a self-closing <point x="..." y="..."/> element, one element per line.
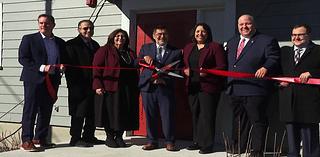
<point x="300" y="102"/>
<point x="79" y="80"/>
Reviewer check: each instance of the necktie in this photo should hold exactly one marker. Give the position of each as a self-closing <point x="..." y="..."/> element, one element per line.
<point x="241" y="46"/>
<point x="159" y="56"/>
<point x="297" y="56"/>
<point x="89" y="44"/>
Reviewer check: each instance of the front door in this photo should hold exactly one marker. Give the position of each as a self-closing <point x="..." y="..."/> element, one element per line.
<point x="179" y="24"/>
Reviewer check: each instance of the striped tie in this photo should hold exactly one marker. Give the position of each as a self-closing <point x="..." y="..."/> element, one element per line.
<point x="241" y="46"/>
<point x="297" y="56"/>
<point x="159" y="56"/>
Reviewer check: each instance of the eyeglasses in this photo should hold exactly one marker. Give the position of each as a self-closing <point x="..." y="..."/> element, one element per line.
<point x="86" y="28"/>
<point x="299" y="35"/>
<point x="160" y="34"/>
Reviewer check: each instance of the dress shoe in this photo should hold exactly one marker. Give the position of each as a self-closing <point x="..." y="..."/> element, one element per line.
<point x="195" y="146"/>
<point x="206" y="150"/>
<point x="28" y="146"/>
<point x="82" y="143"/>
<point x="170" y="147"/>
<point x="120" y="142"/>
<point x="150" y="146"/>
<point x="111" y="143"/>
<point x="43" y="143"/>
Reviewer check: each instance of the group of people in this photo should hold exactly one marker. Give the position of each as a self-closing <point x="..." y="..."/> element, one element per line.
<point x="108" y="95"/>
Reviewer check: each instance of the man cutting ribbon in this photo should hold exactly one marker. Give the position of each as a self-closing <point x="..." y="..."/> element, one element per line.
<point x="158" y="93"/>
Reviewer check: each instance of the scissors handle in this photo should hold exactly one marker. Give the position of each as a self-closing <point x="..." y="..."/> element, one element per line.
<point x="145" y="65"/>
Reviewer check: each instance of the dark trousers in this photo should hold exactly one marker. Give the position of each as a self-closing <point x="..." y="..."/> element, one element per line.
<point x="308" y="133"/>
<point x="77" y="125"/>
<point x="252" y="113"/>
<point x="165" y="102"/>
<point x="203" y="107"/>
<point x="37" y="102"/>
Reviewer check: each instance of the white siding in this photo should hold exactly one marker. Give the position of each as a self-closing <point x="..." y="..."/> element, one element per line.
<point x="20" y="18"/>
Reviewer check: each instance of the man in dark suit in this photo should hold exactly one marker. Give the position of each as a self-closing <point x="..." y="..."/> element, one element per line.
<point x="300" y="103"/>
<point x="258" y="54"/>
<point x="38" y="53"/>
<point x="158" y="94"/>
<point x="80" y="52"/>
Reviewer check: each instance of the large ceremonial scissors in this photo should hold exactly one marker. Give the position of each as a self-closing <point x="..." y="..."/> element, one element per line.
<point x="161" y="70"/>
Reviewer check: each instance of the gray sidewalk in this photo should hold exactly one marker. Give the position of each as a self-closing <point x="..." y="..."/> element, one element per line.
<point x="134" y="150"/>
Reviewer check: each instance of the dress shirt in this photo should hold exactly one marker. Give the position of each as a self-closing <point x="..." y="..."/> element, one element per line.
<point x="43" y="36"/>
<point x="163" y="49"/>
<point x="303" y="49"/>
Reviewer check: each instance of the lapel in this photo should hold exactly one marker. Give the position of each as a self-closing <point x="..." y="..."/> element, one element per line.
<point x="307" y="52"/>
<point x="291" y="56"/>
<point x="252" y="40"/>
<point x="86" y="52"/>
<point x="166" y="54"/>
<point x="153" y="50"/>
<point x="203" y="55"/>
<point x="114" y="52"/>
<point x="42" y="47"/>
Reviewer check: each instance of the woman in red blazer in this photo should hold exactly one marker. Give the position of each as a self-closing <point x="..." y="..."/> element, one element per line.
<point x="117" y="93"/>
<point x="203" y="89"/>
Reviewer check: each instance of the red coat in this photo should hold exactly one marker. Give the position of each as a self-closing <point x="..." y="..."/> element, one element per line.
<point x="107" y="56"/>
<point x="212" y="57"/>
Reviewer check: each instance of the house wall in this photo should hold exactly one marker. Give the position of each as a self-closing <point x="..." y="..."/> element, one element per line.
<point x="20" y="18"/>
<point x="277" y="17"/>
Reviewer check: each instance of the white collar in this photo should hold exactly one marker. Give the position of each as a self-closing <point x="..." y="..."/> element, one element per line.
<point x="43" y="36"/>
<point x="164" y="46"/>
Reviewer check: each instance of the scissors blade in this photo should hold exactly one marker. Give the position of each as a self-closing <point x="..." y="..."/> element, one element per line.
<point x="173" y="74"/>
<point x="170" y="65"/>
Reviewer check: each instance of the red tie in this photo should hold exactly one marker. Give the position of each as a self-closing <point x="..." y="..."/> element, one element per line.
<point x="240" y="48"/>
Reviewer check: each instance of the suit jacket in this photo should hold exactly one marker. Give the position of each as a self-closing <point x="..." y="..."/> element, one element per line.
<point x="32" y="54"/>
<point x="171" y="54"/>
<point x="79" y="80"/>
<point x="212" y="57"/>
<point x="300" y="102"/>
<point x="107" y="56"/>
<point x="260" y="51"/>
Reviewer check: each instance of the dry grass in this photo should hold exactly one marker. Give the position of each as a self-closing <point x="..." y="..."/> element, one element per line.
<point x="276" y="149"/>
<point x="9" y="141"/>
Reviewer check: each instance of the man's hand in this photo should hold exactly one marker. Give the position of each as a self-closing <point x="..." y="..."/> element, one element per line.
<point x="48" y="68"/>
<point x="304" y="77"/>
<point x="284" y="84"/>
<point x="62" y="68"/>
<point x="203" y="74"/>
<point x="100" y="91"/>
<point x="261" y="72"/>
<point x="187" y="72"/>
<point x="148" y="60"/>
<point x="159" y="80"/>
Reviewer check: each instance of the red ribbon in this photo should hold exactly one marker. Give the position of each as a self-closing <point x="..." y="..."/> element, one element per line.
<point x="221" y="73"/>
<point x="246" y="75"/>
<point x="51" y="89"/>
